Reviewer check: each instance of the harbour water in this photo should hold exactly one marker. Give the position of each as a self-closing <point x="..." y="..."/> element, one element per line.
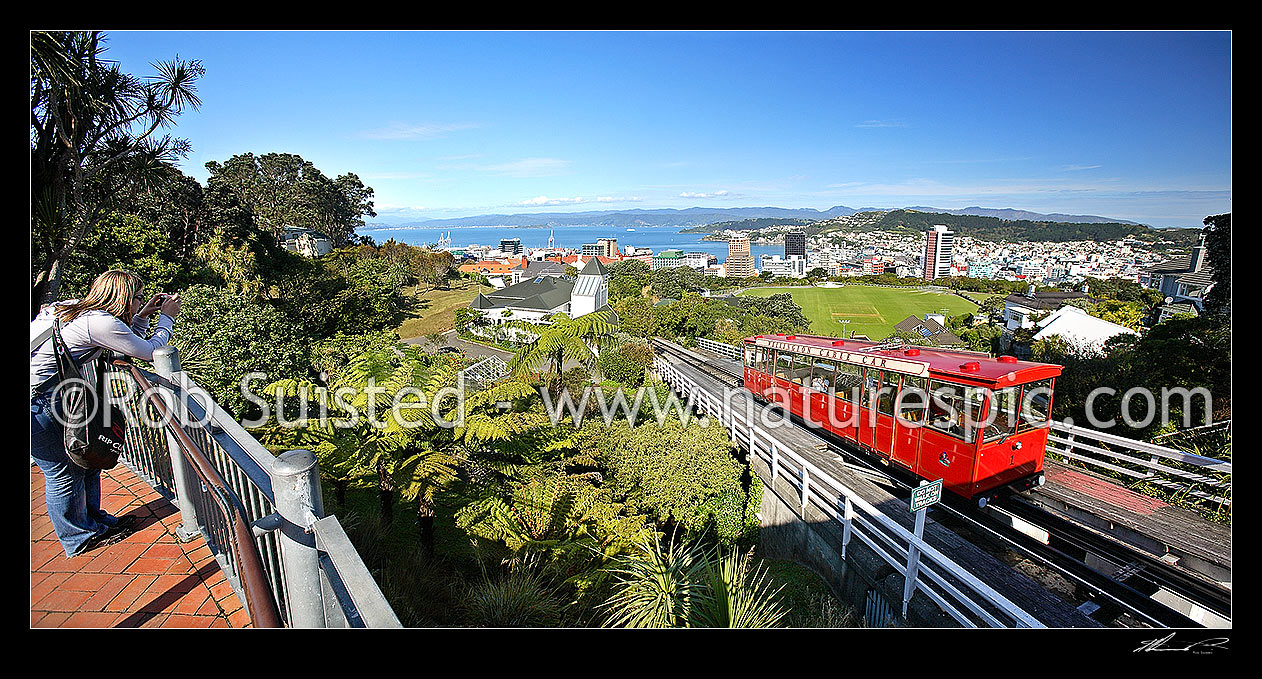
<point x="658" y="238"/>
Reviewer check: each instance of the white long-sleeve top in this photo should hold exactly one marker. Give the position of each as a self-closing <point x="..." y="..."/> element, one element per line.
<point x="94" y="330"/>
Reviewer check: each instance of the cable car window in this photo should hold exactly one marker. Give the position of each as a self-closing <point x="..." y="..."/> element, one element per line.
<point x="784" y="365"/>
<point x="1004" y="405"/>
<point x="888" y="390"/>
<point x="802" y="369"/>
<point x="1036" y="400"/>
<point x="760" y="359"/>
<point x="751" y="356"/>
<point x="950" y="409"/>
<point x="849" y="378"/>
<point x="913" y="399"/>
<point x="823" y="374"/>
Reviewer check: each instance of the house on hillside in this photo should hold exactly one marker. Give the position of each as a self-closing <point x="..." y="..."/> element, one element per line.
<point x="306" y="242"/>
<point x="1079" y="329"/>
<point x="1184" y="282"/>
<point x="1019" y="310"/>
<point x="930" y="331"/>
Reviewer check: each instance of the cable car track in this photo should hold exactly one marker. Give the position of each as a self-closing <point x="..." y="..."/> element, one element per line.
<point x="1103" y="588"/>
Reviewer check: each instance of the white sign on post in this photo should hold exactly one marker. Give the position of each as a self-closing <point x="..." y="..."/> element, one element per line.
<point x="928" y="494"/>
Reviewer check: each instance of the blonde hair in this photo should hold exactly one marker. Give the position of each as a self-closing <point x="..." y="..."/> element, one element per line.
<point x="111" y="292"/>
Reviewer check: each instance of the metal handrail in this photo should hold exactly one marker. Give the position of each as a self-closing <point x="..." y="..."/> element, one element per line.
<point x="259" y="601"/>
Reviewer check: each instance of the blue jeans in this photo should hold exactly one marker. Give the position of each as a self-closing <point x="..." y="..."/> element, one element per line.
<point x="71" y="493"/>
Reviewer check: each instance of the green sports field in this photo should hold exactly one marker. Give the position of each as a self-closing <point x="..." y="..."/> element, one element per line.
<point x="870" y="311"/>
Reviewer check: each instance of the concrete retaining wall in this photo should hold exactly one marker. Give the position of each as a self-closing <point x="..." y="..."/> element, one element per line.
<point x="814" y="540"/>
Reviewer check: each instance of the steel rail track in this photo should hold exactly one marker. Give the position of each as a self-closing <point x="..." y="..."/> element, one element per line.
<point x="1151" y="569"/>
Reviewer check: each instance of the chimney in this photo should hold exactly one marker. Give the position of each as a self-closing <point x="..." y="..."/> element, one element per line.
<point x="1198" y="255"/>
<point x="1030" y="293"/>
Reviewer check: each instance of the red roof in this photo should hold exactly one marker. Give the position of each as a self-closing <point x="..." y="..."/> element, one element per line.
<point x="935" y="362"/>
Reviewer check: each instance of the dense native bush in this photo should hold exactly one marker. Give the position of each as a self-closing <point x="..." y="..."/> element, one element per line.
<point x="222" y="336"/>
<point x="679" y="474"/>
<point x="626" y="363"/>
<point x="124" y="242"/>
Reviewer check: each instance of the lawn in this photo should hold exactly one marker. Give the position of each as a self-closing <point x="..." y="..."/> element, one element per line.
<point x="435" y="310"/>
<point x="870" y="310"/>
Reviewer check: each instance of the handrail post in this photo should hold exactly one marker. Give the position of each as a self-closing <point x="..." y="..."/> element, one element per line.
<point x="913" y="560"/>
<point x="296" y="484"/>
<point x="166" y="362"/>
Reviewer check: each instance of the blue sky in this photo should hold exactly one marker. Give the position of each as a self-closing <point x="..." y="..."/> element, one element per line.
<point x="1130" y="125"/>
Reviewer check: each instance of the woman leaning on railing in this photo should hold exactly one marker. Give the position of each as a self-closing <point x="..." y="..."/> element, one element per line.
<point x="113" y="316"/>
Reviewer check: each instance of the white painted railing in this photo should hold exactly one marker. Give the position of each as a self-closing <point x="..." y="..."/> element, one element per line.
<point x="721" y="348"/>
<point x="959" y="593"/>
<point x="1203" y="478"/>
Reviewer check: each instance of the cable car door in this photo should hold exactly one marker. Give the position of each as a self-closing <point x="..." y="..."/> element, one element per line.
<point x="910" y="406"/>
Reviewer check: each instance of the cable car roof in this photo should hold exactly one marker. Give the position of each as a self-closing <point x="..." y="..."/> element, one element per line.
<point x="914" y="360"/>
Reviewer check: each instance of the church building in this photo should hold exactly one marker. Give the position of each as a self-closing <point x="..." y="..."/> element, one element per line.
<point x="536" y="299"/>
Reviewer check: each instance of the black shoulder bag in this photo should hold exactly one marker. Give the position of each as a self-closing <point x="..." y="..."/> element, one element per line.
<point x="94" y="427"/>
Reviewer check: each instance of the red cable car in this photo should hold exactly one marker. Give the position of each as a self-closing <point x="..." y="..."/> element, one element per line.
<point x="976" y="422"/>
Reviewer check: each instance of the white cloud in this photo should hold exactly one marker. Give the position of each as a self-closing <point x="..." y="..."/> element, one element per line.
<point x="881" y="123"/>
<point x="691" y="194"/>
<point x="528" y="167"/>
<point x="1075" y="168"/>
<point x="538" y="201"/>
<point x="419" y="131"/>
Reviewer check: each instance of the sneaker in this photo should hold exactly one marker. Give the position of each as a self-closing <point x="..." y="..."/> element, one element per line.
<point x="111" y="536"/>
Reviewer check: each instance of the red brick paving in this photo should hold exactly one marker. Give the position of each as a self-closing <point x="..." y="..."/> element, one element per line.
<point x="150" y="579"/>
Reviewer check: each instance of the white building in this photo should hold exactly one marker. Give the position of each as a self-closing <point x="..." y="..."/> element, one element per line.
<point x="793" y="266"/>
<point x="306" y="242"/>
<point x="1079" y="329"/>
<point x="939" y="252"/>
<point x="535" y="299"/>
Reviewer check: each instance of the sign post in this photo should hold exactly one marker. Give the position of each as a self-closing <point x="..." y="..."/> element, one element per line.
<point x="921" y="498"/>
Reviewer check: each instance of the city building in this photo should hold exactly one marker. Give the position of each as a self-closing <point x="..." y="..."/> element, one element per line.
<point x="698" y="260"/>
<point x="510" y="246"/>
<point x="873" y="266"/>
<point x="739" y="264"/>
<point x="793" y="266"/>
<point x="795" y="244"/>
<point x="980" y="270"/>
<point x="609" y="246"/>
<point x="592" y="250"/>
<point x="668" y="259"/>
<point x="939" y="249"/>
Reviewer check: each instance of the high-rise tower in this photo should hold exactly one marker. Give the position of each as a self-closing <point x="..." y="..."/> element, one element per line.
<point x="739" y="264"/>
<point x="939" y="246"/>
<point x="795" y="244"/>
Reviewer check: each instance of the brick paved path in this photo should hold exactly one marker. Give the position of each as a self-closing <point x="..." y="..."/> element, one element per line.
<point x="150" y="579"/>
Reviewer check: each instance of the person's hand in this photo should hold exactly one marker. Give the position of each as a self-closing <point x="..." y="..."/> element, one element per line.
<point x="151" y="306"/>
<point x="171" y="305"/>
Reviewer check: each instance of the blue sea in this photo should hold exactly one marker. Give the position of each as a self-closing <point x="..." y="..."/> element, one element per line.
<point x="658" y="238"/>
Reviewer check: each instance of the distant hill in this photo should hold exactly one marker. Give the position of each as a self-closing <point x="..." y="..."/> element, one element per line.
<point x="695" y="216"/>
<point x="1016" y="215"/>
<point x="996" y="229"/>
<point x="748" y="224"/>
